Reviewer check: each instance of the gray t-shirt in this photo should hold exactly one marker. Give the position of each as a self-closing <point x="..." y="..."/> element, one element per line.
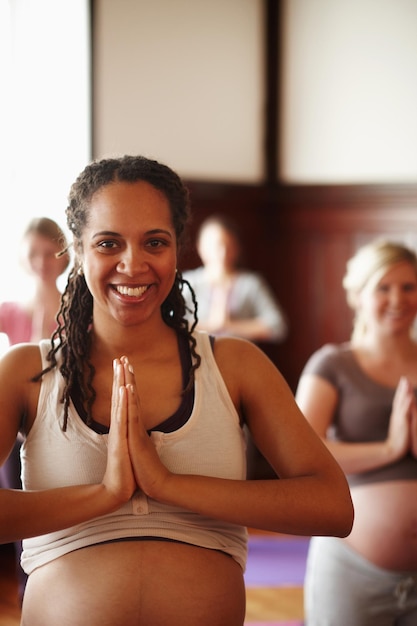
<point x="363" y="410"/>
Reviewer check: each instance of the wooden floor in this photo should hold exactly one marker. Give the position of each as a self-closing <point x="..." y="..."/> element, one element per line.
<point x="263" y="604"/>
<point x="9" y="603"/>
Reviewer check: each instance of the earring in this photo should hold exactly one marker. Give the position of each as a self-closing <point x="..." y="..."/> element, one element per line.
<point x="80" y="271"/>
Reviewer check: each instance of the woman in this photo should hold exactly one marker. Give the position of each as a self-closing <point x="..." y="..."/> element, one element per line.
<point x="33" y="318"/>
<point x="145" y="525"/>
<point x="360" y="398"/>
<point x="231" y="300"/>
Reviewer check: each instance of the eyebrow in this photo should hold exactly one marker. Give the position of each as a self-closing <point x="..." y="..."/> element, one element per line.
<point x="153" y="231"/>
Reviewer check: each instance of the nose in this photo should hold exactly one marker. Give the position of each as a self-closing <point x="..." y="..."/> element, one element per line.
<point x="132" y="261"/>
<point x="396" y="295"/>
<point x="38" y="262"/>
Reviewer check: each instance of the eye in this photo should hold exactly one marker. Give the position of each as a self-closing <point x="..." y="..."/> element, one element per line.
<point x="107" y="244"/>
<point x="157" y="243"/>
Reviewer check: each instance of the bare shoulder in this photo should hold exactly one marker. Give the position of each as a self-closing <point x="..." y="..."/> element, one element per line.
<point x="18" y="393"/>
<point x="233" y="350"/>
<point x="245" y="367"/>
<point x="21" y="360"/>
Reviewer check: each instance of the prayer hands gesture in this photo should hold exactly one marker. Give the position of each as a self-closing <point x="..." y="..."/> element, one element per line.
<point x="132" y="458"/>
<point x="402" y="434"/>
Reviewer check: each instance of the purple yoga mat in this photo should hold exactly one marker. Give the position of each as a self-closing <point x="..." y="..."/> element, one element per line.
<point x="276" y="561"/>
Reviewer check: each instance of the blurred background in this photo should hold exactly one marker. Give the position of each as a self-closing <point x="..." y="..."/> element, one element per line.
<point x="296" y="118"/>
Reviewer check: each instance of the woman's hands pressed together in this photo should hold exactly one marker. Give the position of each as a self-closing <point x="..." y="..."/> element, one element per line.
<point x="118" y="478"/>
<point x="402" y="434"/>
<point x="133" y="462"/>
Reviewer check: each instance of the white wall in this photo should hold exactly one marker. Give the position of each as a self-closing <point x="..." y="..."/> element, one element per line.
<point x="350" y="91"/>
<point x="182" y="81"/>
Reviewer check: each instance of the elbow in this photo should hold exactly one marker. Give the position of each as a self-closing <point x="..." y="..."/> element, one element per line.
<point x="349" y="518"/>
<point x="345" y="524"/>
<point x="336" y="507"/>
<point x="337" y="521"/>
<point x="343" y="514"/>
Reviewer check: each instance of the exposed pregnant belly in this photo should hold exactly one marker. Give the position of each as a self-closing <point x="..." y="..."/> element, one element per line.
<point x="137" y="583"/>
<point x="385" y="527"/>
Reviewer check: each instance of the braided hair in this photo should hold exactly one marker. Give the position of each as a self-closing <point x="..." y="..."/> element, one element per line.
<point x="72" y="336"/>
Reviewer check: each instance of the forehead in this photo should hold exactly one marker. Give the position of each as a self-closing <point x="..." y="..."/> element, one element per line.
<point x="34" y="240"/>
<point x="216" y="232"/>
<point x="402" y="271"/>
<point x="122" y="204"/>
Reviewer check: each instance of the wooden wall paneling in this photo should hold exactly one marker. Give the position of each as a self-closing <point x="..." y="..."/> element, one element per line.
<point x="322" y="228"/>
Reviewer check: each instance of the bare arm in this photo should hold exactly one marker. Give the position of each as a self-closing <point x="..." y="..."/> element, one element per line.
<point x="311" y="496"/>
<point x="27" y="514"/>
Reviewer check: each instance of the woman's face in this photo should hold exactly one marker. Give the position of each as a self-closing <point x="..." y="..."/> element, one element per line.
<point x="391" y="304"/>
<point x="129" y="251"/>
<point x="217" y="247"/>
<point x="39" y="257"/>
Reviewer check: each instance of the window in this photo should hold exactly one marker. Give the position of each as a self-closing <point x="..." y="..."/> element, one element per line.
<point x="44" y="116"/>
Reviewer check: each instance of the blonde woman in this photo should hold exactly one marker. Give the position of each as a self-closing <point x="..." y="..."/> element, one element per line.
<point x="360" y="398"/>
<point x="33" y="318"/>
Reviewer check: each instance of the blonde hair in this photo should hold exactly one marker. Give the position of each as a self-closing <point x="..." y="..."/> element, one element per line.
<point x="366" y="268"/>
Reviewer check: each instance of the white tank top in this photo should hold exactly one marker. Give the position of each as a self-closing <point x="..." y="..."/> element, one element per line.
<point x="210" y="443"/>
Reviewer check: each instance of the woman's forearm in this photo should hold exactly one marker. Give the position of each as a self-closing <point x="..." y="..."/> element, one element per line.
<point x="31" y="513"/>
<point x="305" y="505"/>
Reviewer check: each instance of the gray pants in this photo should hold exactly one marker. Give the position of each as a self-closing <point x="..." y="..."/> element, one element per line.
<point x="344" y="589"/>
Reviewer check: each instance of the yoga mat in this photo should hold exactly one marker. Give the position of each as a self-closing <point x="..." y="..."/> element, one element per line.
<point x="276" y="561"/>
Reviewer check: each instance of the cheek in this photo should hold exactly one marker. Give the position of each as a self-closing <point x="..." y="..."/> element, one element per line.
<point x="93" y="274"/>
<point x="168" y="263"/>
<point x="167" y="271"/>
<point x="413" y="303"/>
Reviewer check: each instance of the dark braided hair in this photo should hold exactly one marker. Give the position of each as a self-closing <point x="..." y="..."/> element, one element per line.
<point x="72" y="335"/>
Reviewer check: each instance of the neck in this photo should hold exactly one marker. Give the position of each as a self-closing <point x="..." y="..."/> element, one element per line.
<point x="45" y="291"/>
<point x="140" y="339"/>
<point x="401" y="344"/>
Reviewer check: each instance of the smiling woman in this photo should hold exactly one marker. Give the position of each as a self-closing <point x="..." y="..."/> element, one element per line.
<point x="134" y="439"/>
<point x="361" y="399"/>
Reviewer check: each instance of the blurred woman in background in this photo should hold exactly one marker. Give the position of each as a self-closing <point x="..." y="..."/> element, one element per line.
<point x="360" y="397"/>
<point x="231" y="300"/>
<point x="33" y="318"/>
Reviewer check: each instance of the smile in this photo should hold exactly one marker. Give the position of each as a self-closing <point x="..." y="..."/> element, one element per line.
<point x="134" y="292"/>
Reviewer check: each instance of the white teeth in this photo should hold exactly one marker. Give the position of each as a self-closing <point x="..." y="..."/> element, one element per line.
<point x="134" y="292"/>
